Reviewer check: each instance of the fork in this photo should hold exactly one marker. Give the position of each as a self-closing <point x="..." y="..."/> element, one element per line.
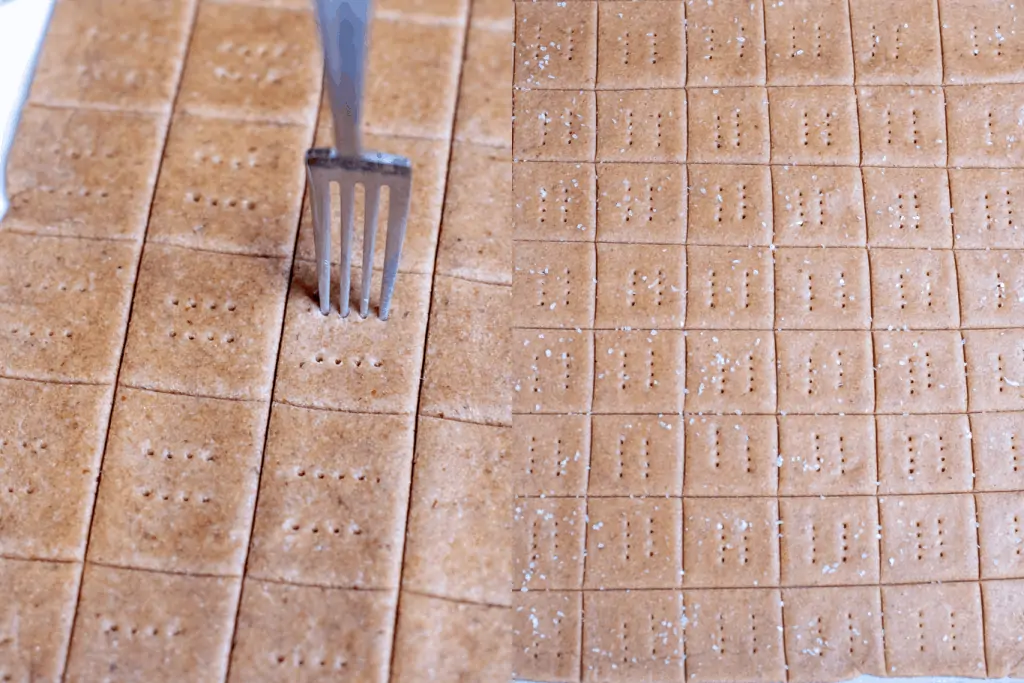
<point x="344" y="35"/>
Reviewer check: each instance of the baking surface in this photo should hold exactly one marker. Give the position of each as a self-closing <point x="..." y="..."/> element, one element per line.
<point x="202" y="478"/>
<point x="768" y="356"/>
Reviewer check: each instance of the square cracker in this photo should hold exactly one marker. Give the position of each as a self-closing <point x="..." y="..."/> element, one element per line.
<point x="308" y="633"/>
<point x="725" y="43"/>
<point x="639" y="203"/>
<point x="984" y="125"/>
<point x="808" y="42"/>
<point x="114" y="54"/>
<point x="550" y="455"/>
<point x="731" y="455"/>
<point x="354" y="364"/>
<point x="554" y="284"/>
<point x="83" y="173"/>
<point x="633" y="636"/>
<point x="902" y="126"/>
<point x="547" y="635"/>
<point x="179" y="483"/>
<point x="730" y="288"/>
<point x="155" y="626"/>
<point x="642" y="125"/>
<point x="980" y="43"/>
<point x="827" y="455"/>
<point x="469" y="337"/>
<point x="896" y="43"/>
<point x="920" y="372"/>
<point x="548" y="536"/>
<point x="554" y="125"/>
<point x="995" y="364"/>
<point x="934" y="630"/>
<point x="823" y="289"/>
<point x="818" y="206"/>
<point x="928" y="538"/>
<point x="730" y="205"/>
<point x="458" y="538"/>
<point x="229" y="186"/>
<point x="728" y="125"/>
<point x="314" y="459"/>
<point x="730" y="371"/>
<point x="924" y="454"/>
<point x="636" y="455"/>
<point x="252" y="62"/>
<point x="730" y="542"/>
<point x="984" y="207"/>
<point x="998" y="443"/>
<point x="824" y="371"/>
<point x="638" y="371"/>
<point x="554" y="202"/>
<point x="63" y="306"/>
<point x="36" y="618"/>
<point x="554" y="371"/>
<point x="814" y="125"/>
<point x="1003" y="614"/>
<point x="915" y="289"/>
<point x="1001" y="534"/>
<point x="734" y="636"/>
<point x="829" y="541"/>
<point x="484" y="108"/>
<point x="640" y="286"/>
<point x="634" y="543"/>
<point x="205" y="323"/>
<point x="908" y="207"/>
<point x="555" y="46"/>
<point x="991" y="288"/>
<point x="641" y="45"/>
<point x="835" y="634"/>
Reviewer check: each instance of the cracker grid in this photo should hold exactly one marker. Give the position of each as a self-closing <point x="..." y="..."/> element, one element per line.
<point x="954" y="243"/>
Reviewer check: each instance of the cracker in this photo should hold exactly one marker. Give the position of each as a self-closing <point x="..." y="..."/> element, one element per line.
<point x="229" y="186"/>
<point x="924" y="454"/>
<point x="556" y="46"/>
<point x="547" y="635"/>
<point x="808" y="42"/>
<point x="634" y="455"/>
<point x="834" y="634"/>
<point x="554" y="202"/>
<point x="634" y="543"/>
<point x="355" y="364"/>
<point x="827" y="455"/>
<point x="458" y="540"/>
<point x="980" y="42"/>
<point x="1003" y="611"/>
<point x="991" y="287"/>
<point x="928" y="538"/>
<point x="248" y="62"/>
<point x="554" y="125"/>
<point x="301" y="533"/>
<point x="730" y="205"/>
<point x="730" y="288"/>
<point x="65" y="306"/>
<point x="554" y="371"/>
<point x="731" y="456"/>
<point x="726" y="43"/>
<point x="896" y="43"/>
<point x="984" y="127"/>
<point x="484" y="108"/>
<point x="822" y="289"/>
<point x="307" y="633"/>
<point x="551" y="455"/>
<point x="728" y="125"/>
<point x="730" y="371"/>
<point x="984" y="208"/>
<point x="452" y="10"/>
<point x="638" y="371"/>
<point x="152" y="626"/>
<point x="642" y="125"/>
<point x="554" y="284"/>
<point x="633" y="636"/>
<point x="817" y="206"/>
<point x="829" y="541"/>
<point x="995" y="364"/>
<point x="640" y="286"/>
<point x="914" y="288"/>
<point x="205" y="323"/>
<point x="934" y="630"/>
<point x="998" y="443"/>
<point x="920" y="372"/>
<point x="639" y="45"/>
<point x="183" y="470"/>
<point x="641" y="203"/>
<point x="902" y="126"/>
<point x="469" y="337"/>
<point x="908" y="208"/>
<point x="547" y="543"/>
<point x="814" y="125"/>
<point x="37" y="617"/>
<point x="83" y="173"/>
<point x="734" y="635"/>
<point x="113" y="53"/>
<point x="1000" y="532"/>
<point x="730" y="542"/>
<point x="825" y="372"/>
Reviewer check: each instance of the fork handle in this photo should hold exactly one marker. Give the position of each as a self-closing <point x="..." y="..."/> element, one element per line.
<point x="344" y="32"/>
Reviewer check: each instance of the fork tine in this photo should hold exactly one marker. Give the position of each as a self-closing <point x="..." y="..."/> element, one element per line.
<point x="371" y="203"/>
<point x="348" y="200"/>
<point x="320" y="202"/>
<point x="398" y="214"/>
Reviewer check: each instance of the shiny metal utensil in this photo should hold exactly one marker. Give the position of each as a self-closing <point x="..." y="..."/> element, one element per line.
<point x="344" y="32"/>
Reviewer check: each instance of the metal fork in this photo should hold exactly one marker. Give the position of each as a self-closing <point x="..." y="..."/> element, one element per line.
<point x="344" y="33"/>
